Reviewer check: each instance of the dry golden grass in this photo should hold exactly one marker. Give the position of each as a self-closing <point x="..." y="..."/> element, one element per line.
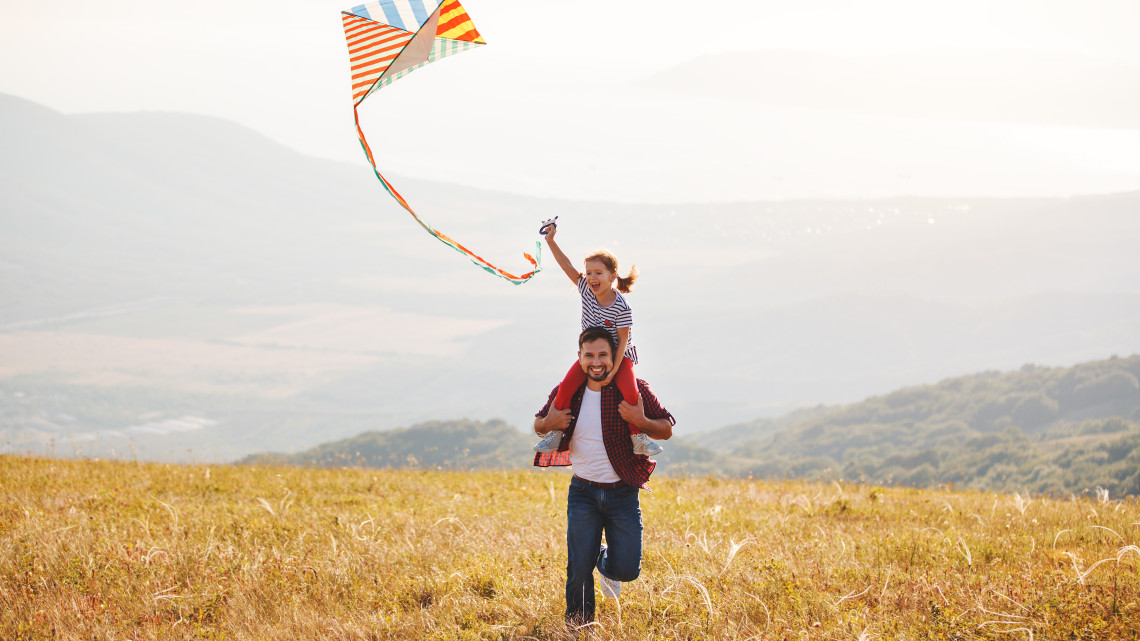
<point x="115" y="550"/>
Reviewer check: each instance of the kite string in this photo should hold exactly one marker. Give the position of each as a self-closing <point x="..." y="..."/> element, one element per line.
<point x="446" y="240"/>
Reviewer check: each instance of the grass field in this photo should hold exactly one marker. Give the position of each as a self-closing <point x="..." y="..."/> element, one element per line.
<point x="119" y="550"/>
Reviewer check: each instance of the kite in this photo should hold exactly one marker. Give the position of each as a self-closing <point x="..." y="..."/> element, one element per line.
<point x="389" y="39"/>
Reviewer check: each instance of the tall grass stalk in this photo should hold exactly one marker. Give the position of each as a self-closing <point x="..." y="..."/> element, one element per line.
<point x="123" y="550"/>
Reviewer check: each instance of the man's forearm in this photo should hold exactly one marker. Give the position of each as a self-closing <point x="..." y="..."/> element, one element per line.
<point x="658" y="429"/>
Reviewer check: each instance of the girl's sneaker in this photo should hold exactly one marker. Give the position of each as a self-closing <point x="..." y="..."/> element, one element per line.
<point x="550" y="442"/>
<point x="644" y="445"/>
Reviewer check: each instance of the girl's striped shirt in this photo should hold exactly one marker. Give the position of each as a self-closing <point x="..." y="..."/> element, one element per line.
<point x="616" y="314"/>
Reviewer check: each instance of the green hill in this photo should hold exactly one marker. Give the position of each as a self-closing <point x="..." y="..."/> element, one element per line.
<point x="462" y="444"/>
<point x="1039" y="429"/>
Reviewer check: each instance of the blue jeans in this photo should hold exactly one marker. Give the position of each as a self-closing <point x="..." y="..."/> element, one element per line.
<point x="590" y="511"/>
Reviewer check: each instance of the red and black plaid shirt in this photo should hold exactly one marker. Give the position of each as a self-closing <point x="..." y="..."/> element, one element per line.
<point x="631" y="468"/>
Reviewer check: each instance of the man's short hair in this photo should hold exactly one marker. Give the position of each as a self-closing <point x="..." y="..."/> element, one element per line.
<point x="591" y="334"/>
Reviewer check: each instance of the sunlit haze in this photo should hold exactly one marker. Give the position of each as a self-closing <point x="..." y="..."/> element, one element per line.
<point x="561" y="102"/>
<point x="826" y="201"/>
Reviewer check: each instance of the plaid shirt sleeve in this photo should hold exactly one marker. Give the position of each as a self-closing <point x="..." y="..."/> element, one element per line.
<point x="561" y="457"/>
<point x="633" y="469"/>
<point x="549" y="401"/>
<point x="653" y="407"/>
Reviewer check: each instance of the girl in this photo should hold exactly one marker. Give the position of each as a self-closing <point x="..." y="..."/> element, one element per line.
<point x="602" y="306"/>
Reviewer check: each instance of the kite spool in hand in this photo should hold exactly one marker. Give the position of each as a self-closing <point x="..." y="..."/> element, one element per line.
<point x="547" y="224"/>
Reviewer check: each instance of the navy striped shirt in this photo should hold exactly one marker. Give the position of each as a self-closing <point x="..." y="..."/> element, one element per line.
<point x="616" y="314"/>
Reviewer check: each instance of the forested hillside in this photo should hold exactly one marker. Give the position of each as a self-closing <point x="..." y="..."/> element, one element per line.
<point x="462" y="444"/>
<point x="1038" y="429"/>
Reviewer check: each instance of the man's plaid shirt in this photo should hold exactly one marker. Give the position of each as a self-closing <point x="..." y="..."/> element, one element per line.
<point x="631" y="468"/>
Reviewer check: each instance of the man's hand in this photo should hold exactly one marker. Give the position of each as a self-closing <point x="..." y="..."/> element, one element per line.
<point x="658" y="429"/>
<point x="554" y="420"/>
<point x="633" y="414"/>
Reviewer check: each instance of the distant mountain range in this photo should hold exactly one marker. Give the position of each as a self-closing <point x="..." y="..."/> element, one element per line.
<point x="1041" y="430"/>
<point x="178" y="287"/>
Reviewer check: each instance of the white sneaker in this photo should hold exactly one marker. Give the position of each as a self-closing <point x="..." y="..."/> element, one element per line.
<point x="610" y="588"/>
<point x="644" y="445"/>
<point x="550" y="442"/>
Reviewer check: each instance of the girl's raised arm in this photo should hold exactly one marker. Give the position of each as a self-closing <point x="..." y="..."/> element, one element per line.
<point x="573" y="274"/>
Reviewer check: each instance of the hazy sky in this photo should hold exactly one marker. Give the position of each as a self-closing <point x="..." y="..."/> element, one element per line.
<point x="548" y="107"/>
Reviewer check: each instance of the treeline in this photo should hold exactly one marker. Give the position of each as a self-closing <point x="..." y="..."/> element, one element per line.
<point x="1037" y="430"/>
<point x="461" y="444"/>
<point x="1041" y="430"/>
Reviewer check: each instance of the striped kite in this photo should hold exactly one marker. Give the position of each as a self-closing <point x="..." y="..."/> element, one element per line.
<point x="389" y="39"/>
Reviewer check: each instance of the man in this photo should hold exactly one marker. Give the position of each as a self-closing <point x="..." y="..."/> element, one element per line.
<point x="603" y="495"/>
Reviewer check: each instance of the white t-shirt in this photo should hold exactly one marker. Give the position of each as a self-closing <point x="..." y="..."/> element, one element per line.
<point x="587" y="450"/>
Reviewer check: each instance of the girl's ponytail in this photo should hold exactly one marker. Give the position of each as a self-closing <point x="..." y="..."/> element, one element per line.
<point x="625" y="285"/>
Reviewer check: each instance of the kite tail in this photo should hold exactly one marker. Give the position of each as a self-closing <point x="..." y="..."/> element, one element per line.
<point x="444" y="238"/>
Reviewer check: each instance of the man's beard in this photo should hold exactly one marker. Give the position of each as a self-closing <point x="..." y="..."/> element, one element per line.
<point x="598" y="378"/>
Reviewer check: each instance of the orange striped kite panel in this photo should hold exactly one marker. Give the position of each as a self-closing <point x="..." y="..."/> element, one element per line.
<point x="371" y="49"/>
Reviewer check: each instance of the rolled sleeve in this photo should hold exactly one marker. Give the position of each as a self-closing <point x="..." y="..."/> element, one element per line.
<point x="652" y="406"/>
<point x="549" y="401"/>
